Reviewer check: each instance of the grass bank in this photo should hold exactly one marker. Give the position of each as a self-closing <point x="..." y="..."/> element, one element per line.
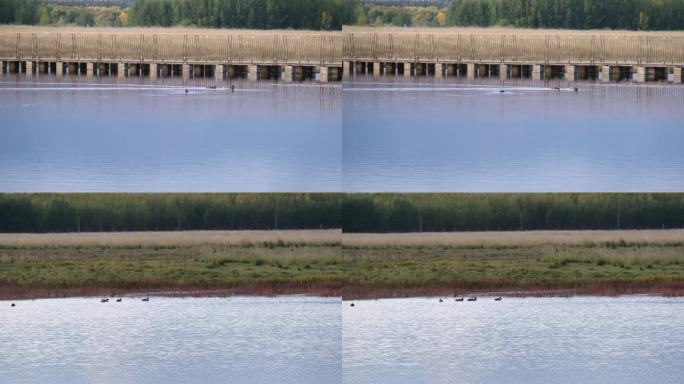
<point x="514" y="263"/>
<point x="187" y="263"/>
<point x="352" y="265"/>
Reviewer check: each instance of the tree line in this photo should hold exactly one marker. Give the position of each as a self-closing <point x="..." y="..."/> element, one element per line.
<point x="510" y="212"/>
<point x="151" y="212"/>
<point x="564" y="14"/>
<point x="247" y="14"/>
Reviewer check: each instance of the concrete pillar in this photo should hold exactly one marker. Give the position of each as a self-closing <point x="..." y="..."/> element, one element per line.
<point x="503" y="72"/>
<point x="324" y="73"/>
<point x="59" y="69"/>
<point x="253" y="72"/>
<point x="641" y="74"/>
<point x="408" y="70"/>
<point x="121" y="70"/>
<point x="29" y="68"/>
<point x="289" y="73"/>
<point x="346" y="68"/>
<point x="218" y="72"/>
<point x="2" y="67"/>
<point x="439" y="70"/>
<point x="536" y="72"/>
<point x="90" y="69"/>
<point x="154" y="70"/>
<point x="377" y="68"/>
<point x="186" y="72"/>
<point x="677" y="75"/>
<point x="570" y="74"/>
<point x="470" y="68"/>
<point x="605" y="73"/>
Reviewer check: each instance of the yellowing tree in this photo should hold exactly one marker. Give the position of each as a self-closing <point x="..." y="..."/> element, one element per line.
<point x="441" y="18"/>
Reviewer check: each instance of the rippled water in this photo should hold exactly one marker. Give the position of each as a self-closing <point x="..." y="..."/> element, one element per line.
<point x="132" y="136"/>
<point x="290" y="339"/>
<point x="536" y="340"/>
<point x="428" y="136"/>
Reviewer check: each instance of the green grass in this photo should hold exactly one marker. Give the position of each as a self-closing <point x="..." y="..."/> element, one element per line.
<point x="361" y="269"/>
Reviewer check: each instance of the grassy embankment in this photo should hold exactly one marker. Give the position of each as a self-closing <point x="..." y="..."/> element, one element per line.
<point x="515" y="263"/>
<point x="201" y="262"/>
<point x="359" y="266"/>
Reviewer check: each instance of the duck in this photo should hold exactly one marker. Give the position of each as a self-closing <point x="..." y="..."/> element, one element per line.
<point x="118" y="300"/>
<point x="146" y="299"/>
<point x="211" y="87"/>
<point x="104" y="300"/>
<point x="459" y="299"/>
<point x="497" y="298"/>
<point x="351" y="305"/>
<point x="502" y="91"/>
<point x="14" y="305"/>
<point x="440" y="300"/>
<point x="472" y="299"/>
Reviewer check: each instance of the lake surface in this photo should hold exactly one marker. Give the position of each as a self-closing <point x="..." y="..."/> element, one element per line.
<point x="103" y="135"/>
<point x="623" y="340"/>
<point x="290" y="339"/>
<point x="403" y="135"/>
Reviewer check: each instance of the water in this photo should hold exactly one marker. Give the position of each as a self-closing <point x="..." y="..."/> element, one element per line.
<point x="131" y="136"/>
<point x="536" y="340"/>
<point x="290" y="339"/>
<point x="400" y="135"/>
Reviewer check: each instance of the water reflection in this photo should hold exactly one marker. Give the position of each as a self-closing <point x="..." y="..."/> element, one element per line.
<point x="80" y="134"/>
<point x="432" y="135"/>
<point x="548" y="340"/>
<point x="237" y="340"/>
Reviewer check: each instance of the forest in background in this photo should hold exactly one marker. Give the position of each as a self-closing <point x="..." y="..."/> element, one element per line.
<point x="562" y="14"/>
<point x="332" y="14"/>
<point x="167" y="212"/>
<point x="438" y="212"/>
<point x="247" y="14"/>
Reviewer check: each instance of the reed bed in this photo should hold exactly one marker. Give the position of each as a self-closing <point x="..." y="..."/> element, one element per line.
<point x="170" y="239"/>
<point x="514" y="45"/>
<point x="514" y="239"/>
<point x="174" y="45"/>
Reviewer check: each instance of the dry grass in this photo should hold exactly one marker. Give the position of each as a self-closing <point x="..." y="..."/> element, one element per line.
<point x="513" y="45"/>
<point x="169" y="44"/>
<point x="170" y="239"/>
<point x="513" y="239"/>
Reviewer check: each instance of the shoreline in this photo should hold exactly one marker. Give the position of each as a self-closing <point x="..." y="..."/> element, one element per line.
<point x="346" y="292"/>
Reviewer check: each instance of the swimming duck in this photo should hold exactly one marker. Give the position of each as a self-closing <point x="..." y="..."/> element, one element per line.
<point x="459" y="299"/>
<point x="118" y="300"/>
<point x="472" y="299"/>
<point x="104" y="300"/>
<point x="497" y="298"/>
<point x="440" y="300"/>
<point x="146" y="299"/>
<point x="14" y="305"/>
<point x="351" y="305"/>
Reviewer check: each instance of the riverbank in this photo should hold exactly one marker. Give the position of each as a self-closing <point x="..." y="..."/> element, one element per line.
<point x="198" y="263"/>
<point x="535" y="263"/>
<point x="354" y="266"/>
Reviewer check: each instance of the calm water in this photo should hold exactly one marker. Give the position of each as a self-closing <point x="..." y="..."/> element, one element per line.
<point x="428" y="136"/>
<point x="237" y="340"/>
<point x="549" y="340"/>
<point x="130" y="136"/>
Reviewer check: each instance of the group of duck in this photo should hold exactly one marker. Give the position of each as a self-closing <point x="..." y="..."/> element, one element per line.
<point x="106" y="300"/>
<point x="474" y="298"/>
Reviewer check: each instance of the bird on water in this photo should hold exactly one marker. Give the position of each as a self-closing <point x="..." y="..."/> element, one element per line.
<point x="440" y="300"/>
<point x="472" y="299"/>
<point x="14" y="305"/>
<point x="459" y="299"/>
<point x="146" y="299"/>
<point x="351" y="305"/>
<point x="104" y="300"/>
<point x="497" y="298"/>
<point x="118" y="300"/>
